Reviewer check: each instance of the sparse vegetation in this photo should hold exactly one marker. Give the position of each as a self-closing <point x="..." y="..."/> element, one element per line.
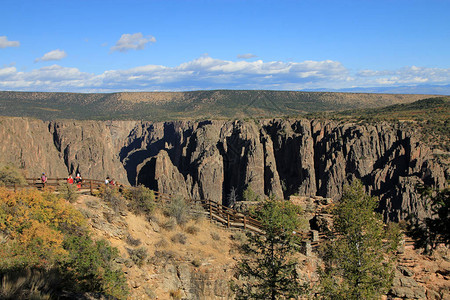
<point x="220" y="104"/>
<point x="170" y="224"/>
<point x="250" y="195"/>
<point x="138" y="256"/>
<point x="179" y="238"/>
<point x="215" y="236"/>
<point x="178" y="209"/>
<point x="141" y="200"/>
<point x="132" y="241"/>
<point x="162" y="243"/>
<point x="68" y="192"/>
<point x="112" y="196"/>
<point x="192" y="229"/>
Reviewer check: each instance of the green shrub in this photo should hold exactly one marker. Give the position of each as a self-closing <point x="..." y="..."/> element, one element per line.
<point x="250" y="195"/>
<point x="141" y="200"/>
<point x="239" y="236"/>
<point x="138" y="256"/>
<point x="68" y="191"/>
<point x="132" y="241"/>
<point x="46" y="233"/>
<point x="10" y="175"/>
<point x="178" y="209"/>
<point x="170" y="224"/>
<point x="90" y="267"/>
<point x="112" y="196"/>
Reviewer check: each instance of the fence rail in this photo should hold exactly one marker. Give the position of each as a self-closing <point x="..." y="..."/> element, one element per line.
<point x="229" y="217"/>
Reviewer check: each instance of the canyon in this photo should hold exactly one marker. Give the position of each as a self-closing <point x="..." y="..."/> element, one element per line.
<point x="207" y="159"/>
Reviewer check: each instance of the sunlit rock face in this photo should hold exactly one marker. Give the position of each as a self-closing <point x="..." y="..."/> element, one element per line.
<point x="208" y="159"/>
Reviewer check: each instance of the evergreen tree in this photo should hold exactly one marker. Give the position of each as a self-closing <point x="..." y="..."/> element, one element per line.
<point x="268" y="269"/>
<point x="358" y="259"/>
<point x="429" y="232"/>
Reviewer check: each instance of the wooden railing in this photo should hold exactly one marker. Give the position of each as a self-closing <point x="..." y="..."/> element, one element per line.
<point x="229" y="217"/>
<point x="86" y="184"/>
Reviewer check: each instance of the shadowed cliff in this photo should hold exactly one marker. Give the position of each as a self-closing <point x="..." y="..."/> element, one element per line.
<point x="207" y="159"/>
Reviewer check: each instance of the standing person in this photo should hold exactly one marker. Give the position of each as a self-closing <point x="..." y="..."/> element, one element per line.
<point x="43" y="180"/>
<point x="78" y="180"/>
<point x="70" y="179"/>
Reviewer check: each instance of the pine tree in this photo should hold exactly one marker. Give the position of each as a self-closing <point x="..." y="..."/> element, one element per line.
<point x="431" y="231"/>
<point x="358" y="259"/>
<point x="268" y="269"/>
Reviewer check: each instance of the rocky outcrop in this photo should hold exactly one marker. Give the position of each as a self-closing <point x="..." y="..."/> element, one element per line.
<point x="208" y="159"/>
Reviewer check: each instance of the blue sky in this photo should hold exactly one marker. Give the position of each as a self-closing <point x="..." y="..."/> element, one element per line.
<point x="107" y="46"/>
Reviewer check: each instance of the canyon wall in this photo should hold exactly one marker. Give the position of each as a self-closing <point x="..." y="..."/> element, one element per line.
<point x="209" y="158"/>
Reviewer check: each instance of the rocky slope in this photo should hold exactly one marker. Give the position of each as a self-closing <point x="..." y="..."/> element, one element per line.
<point x="207" y="159"/>
<point x="199" y="264"/>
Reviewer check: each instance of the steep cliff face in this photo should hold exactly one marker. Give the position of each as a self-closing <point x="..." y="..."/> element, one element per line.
<point x="63" y="147"/>
<point x="282" y="158"/>
<point x="210" y="158"/>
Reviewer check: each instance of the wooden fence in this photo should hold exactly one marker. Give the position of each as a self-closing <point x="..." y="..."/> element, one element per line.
<point x="227" y="216"/>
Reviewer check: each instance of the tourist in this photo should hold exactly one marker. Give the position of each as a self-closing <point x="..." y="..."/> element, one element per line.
<point x="78" y="181"/>
<point x="43" y="179"/>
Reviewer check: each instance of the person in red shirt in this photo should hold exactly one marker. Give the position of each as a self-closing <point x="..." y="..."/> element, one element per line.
<point x="70" y="179"/>
<point x="78" y="180"/>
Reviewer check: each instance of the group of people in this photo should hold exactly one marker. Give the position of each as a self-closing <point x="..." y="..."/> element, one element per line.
<point x="110" y="181"/>
<point x="77" y="180"/>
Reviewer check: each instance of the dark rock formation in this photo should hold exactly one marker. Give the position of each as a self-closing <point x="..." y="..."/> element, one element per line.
<point x="207" y="159"/>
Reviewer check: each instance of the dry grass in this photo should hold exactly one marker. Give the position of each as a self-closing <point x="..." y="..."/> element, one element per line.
<point x="198" y="251"/>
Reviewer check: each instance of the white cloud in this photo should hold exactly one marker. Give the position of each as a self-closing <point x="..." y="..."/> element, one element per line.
<point x="135" y="41"/>
<point x="404" y="76"/>
<point x="4" y="43"/>
<point x="211" y="73"/>
<point x="52" y="55"/>
<point x="246" y="56"/>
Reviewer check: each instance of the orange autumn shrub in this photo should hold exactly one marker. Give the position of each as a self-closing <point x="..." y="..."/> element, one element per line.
<point x="43" y="233"/>
<point x="33" y="225"/>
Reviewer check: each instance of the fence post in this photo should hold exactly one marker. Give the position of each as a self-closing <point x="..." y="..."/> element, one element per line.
<point x="15" y="187"/>
<point x="228" y="220"/>
<point x="90" y="186"/>
<point x="210" y="210"/>
<point x="245" y="225"/>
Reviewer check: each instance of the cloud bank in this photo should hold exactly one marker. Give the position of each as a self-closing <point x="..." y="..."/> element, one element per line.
<point x="211" y="73"/>
<point x="135" y="41"/>
<point x="4" y="43"/>
<point x="52" y="55"/>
